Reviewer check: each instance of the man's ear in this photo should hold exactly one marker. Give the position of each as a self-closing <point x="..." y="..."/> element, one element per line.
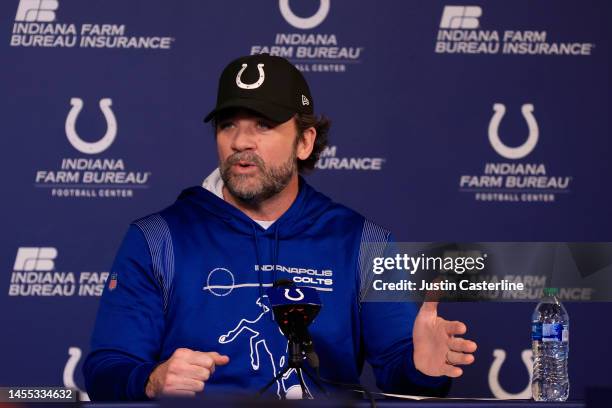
<point x="306" y="143"/>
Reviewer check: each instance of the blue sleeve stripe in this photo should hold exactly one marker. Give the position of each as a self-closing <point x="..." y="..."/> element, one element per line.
<point x="159" y="240"/>
<point x="373" y="243"/>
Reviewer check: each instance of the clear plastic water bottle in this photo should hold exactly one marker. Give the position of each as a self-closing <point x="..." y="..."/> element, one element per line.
<point x="550" y="343"/>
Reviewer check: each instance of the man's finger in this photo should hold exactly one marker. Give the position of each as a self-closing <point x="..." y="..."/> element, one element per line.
<point x="429" y="307"/>
<point x="185" y="385"/>
<point x="219" y="359"/>
<point x="451" y="371"/>
<point x="209" y="360"/>
<point x="456" y="358"/>
<point x="455" y="327"/>
<point x="179" y="393"/>
<point x="202" y="359"/>
<point x="462" y="345"/>
<point x="198" y="372"/>
<point x="189" y="384"/>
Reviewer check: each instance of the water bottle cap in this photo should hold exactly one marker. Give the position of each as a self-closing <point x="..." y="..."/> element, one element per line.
<point x="550" y="291"/>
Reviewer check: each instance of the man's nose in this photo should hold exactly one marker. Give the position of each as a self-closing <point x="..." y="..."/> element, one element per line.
<point x="243" y="139"/>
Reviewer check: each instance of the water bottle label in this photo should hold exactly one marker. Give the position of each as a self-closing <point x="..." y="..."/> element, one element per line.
<point x="547" y="332"/>
<point x="536" y="331"/>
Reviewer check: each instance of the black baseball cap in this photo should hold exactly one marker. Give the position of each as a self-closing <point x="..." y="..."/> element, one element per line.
<point x="268" y="85"/>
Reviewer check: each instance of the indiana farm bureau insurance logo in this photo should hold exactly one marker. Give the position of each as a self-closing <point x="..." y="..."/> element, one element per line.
<point x="89" y="175"/>
<point x="34" y="274"/>
<point x="308" y="48"/>
<point x="460" y="32"/>
<point x="36" y="25"/>
<point x="331" y="160"/>
<point x="507" y="179"/>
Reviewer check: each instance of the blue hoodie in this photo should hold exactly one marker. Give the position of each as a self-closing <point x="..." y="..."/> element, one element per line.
<point x="194" y="275"/>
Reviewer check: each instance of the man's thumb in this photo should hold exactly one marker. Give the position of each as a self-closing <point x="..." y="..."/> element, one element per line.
<point x="219" y="359"/>
<point x="429" y="307"/>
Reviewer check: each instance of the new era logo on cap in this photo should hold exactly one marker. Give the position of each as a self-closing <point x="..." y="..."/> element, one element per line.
<point x="270" y="86"/>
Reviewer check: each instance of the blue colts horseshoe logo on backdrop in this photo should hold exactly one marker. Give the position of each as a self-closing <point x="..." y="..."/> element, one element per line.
<point x="91" y="147"/>
<point x="254" y="85"/>
<point x="513" y="152"/>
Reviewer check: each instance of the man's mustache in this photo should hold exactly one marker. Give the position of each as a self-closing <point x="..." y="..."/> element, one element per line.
<point x="249" y="157"/>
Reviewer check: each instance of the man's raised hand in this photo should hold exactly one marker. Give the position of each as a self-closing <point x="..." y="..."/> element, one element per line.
<point x="437" y="350"/>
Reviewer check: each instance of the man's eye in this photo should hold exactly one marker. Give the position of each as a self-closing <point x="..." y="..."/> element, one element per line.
<point x="263" y="125"/>
<point x="225" y="125"/>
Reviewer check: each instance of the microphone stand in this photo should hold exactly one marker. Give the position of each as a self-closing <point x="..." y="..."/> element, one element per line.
<point x="296" y="361"/>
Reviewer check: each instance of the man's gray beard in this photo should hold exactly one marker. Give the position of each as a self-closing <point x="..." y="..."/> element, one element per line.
<point x="272" y="179"/>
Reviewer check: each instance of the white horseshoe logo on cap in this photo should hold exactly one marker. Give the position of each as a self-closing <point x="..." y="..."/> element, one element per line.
<point x="93" y="147"/>
<point x="301" y="22"/>
<point x="513" y="152"/>
<point x="256" y="84"/>
<point x="295" y="299"/>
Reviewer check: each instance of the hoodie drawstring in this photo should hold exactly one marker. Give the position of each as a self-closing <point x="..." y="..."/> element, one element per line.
<point x="275" y="253"/>
<point x="274" y="259"/>
<point x="256" y="242"/>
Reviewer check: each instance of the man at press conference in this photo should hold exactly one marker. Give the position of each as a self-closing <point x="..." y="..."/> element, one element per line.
<point x="185" y="309"/>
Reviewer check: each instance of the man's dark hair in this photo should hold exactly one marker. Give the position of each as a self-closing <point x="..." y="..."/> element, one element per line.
<point x="321" y="124"/>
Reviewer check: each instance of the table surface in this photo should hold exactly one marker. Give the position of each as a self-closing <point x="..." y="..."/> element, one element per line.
<point x="394" y="403"/>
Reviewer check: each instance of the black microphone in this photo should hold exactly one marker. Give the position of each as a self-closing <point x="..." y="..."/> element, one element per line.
<point x="294" y="310"/>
